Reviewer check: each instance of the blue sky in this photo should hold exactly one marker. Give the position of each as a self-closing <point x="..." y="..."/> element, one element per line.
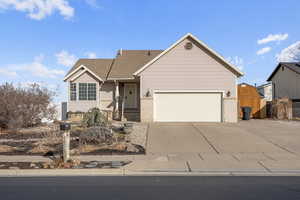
<point x="41" y="39"/>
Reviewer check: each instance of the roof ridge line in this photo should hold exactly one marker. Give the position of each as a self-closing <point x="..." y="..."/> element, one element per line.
<point x="110" y="68"/>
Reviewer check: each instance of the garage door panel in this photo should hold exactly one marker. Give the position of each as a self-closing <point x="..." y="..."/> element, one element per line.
<point x="187" y="107"/>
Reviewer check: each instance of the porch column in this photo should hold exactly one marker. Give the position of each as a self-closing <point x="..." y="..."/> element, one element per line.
<point x="117" y="98"/>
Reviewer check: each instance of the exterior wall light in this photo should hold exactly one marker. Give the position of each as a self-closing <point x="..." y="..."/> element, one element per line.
<point x="228" y="94"/>
<point x="148" y="93"/>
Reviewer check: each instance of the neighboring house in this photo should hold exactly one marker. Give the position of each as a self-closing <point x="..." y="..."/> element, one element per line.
<point x="187" y="82"/>
<point x="266" y="91"/>
<point x="286" y="83"/>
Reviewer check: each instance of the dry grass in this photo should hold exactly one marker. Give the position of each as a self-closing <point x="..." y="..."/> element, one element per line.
<point x="41" y="149"/>
<point x="91" y="148"/>
<point x="6" y="149"/>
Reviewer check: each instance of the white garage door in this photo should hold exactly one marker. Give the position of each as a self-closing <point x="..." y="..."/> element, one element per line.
<point x="187" y="107"/>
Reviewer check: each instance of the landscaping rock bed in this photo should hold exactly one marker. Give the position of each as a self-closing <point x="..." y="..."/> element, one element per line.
<point x="68" y="165"/>
<point x="121" y="139"/>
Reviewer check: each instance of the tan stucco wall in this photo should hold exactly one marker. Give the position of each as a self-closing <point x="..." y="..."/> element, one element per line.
<point x="107" y="96"/>
<point x="230" y="110"/>
<point x="287" y="84"/>
<point x="146" y="109"/>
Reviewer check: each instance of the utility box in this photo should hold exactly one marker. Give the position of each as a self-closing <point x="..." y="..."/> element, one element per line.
<point x="64" y="110"/>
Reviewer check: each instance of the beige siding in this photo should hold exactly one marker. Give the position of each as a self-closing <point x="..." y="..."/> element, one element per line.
<point x="83" y="106"/>
<point x="188" y="69"/>
<point x="194" y="69"/>
<point x="287" y="84"/>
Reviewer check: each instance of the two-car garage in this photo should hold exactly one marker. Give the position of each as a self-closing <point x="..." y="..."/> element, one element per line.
<point x="187" y="106"/>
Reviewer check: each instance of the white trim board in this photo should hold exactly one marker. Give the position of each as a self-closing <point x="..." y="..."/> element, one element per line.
<point x="240" y="73"/>
<point x="190" y="91"/>
<point x="221" y="92"/>
<point x="84" y="70"/>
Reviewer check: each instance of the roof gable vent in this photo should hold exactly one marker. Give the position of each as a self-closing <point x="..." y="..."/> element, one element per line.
<point x="188" y="46"/>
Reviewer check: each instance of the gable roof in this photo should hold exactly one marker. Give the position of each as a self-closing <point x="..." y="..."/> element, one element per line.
<point x="189" y="35"/>
<point x="294" y="66"/>
<point x="100" y="67"/>
<point x="129" y="61"/>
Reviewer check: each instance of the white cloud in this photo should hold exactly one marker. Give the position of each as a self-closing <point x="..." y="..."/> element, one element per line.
<point x="39" y="9"/>
<point x="263" y="50"/>
<point x="91" y="55"/>
<point x="6" y="72"/>
<point x="290" y="54"/>
<point x="37" y="68"/>
<point x="236" y="61"/>
<point x="272" y="38"/>
<point x="65" y="58"/>
<point x="92" y="3"/>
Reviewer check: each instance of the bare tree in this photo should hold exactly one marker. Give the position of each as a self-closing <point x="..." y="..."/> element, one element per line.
<point x="25" y="106"/>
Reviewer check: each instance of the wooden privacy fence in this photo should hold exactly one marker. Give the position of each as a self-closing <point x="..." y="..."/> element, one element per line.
<point x="249" y="97"/>
<point x="282" y="108"/>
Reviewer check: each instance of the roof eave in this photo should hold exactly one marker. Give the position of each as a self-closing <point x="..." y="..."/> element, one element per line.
<point x="274" y="72"/>
<point x="236" y="70"/>
<point x="86" y="69"/>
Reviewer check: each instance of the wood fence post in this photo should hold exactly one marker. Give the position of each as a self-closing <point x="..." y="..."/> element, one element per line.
<point x="66" y="127"/>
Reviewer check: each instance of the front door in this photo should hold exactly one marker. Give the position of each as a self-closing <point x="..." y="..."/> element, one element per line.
<point x="130" y="95"/>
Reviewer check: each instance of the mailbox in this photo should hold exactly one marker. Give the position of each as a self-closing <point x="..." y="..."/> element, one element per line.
<point x="65" y="126"/>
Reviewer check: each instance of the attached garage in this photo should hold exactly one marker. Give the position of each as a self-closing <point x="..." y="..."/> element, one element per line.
<point x="187" y="106"/>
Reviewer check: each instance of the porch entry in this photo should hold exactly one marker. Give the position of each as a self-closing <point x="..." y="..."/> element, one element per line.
<point x="130" y="95"/>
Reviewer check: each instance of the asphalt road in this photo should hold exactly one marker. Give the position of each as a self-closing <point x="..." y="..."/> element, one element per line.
<point x="85" y="188"/>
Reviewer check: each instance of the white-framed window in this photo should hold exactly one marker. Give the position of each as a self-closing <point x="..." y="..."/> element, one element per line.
<point x="73" y="93"/>
<point x="92" y="91"/>
<point x="87" y="91"/>
<point x="82" y="91"/>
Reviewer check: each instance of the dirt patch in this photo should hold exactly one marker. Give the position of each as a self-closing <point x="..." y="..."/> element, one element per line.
<point x="6" y="148"/>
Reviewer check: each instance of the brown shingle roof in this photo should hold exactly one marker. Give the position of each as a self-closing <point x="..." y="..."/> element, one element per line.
<point x="99" y="66"/>
<point x="129" y="61"/>
<point x="123" y="66"/>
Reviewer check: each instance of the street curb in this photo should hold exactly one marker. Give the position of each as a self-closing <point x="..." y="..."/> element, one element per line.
<point x="123" y="172"/>
<point x="60" y="172"/>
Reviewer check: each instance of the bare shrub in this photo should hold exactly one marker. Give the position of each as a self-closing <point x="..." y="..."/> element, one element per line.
<point x="50" y="141"/>
<point x="25" y="106"/>
<point x="96" y="135"/>
<point x="282" y="108"/>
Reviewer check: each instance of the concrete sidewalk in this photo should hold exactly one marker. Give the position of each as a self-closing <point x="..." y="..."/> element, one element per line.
<point x="172" y="164"/>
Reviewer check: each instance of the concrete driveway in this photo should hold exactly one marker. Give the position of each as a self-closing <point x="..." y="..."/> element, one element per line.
<point x="254" y="136"/>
